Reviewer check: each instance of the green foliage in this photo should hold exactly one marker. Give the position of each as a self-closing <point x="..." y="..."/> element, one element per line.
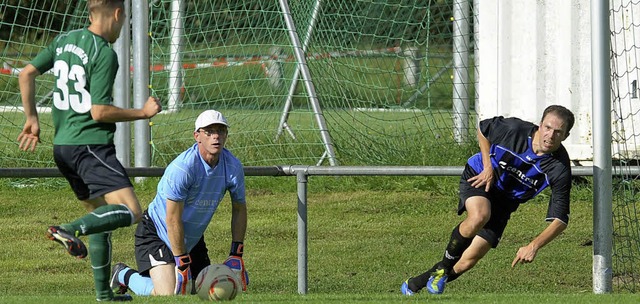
<point x="29" y="20"/>
<point x="249" y="21"/>
<point x="253" y="22"/>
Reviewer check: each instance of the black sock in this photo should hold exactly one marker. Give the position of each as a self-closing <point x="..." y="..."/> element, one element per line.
<point x="127" y="276"/>
<point x="457" y="245"/>
<point x="452" y="276"/>
<point x="418" y="282"/>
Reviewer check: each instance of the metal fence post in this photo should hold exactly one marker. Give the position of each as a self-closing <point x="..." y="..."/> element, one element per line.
<point x="301" y="177"/>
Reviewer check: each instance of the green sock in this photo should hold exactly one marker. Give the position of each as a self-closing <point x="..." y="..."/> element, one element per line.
<point x="103" y="218"/>
<point x="100" y="255"/>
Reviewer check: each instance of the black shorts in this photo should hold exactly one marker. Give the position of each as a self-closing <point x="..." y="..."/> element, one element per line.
<point x="151" y="250"/>
<point x="501" y="208"/>
<point x="91" y="170"/>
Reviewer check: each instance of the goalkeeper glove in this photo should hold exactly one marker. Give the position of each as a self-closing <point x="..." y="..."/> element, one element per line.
<point x="235" y="262"/>
<point x="183" y="274"/>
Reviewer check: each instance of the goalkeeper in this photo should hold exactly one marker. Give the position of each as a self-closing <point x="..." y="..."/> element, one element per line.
<point x="169" y="244"/>
<point x="517" y="160"/>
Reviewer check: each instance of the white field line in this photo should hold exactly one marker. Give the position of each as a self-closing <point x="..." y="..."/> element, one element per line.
<point x="5" y="109"/>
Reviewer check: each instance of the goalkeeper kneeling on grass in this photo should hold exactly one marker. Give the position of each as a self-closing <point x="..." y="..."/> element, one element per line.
<point x="169" y="241"/>
<point x="517" y="160"/>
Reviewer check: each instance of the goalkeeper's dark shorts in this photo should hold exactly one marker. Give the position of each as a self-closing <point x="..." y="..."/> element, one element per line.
<point x="152" y="251"/>
<point x="91" y="170"/>
<point x="501" y="208"/>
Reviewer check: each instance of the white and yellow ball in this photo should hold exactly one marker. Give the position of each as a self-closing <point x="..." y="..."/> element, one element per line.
<point x="218" y="282"/>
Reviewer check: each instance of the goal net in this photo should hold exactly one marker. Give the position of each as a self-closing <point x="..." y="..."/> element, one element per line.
<point x="380" y="71"/>
<point x="380" y="74"/>
<point x="625" y="73"/>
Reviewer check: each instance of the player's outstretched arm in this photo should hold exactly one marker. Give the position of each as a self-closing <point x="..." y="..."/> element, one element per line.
<point x="110" y="113"/>
<point x="528" y="253"/>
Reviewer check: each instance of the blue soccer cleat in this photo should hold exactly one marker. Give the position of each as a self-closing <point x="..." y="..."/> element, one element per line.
<point x="405" y="289"/>
<point x="437" y="282"/>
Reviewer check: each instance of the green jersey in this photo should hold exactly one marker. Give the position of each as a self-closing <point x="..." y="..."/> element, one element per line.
<point x="84" y="66"/>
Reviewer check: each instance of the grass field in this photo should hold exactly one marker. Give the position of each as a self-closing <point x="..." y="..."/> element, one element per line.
<point x="366" y="235"/>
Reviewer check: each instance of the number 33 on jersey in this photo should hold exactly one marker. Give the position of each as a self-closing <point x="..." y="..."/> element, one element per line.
<point x="71" y="76"/>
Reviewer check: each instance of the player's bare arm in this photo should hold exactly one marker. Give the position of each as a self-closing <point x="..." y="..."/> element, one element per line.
<point x="175" y="227"/>
<point x="182" y="258"/>
<point x="484" y="178"/>
<point x="528" y="253"/>
<point x="29" y="137"/>
<point x="238" y="221"/>
<point x="238" y="230"/>
<point x="110" y="113"/>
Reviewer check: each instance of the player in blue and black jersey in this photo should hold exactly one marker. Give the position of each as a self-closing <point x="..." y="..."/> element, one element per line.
<point x="517" y="160"/>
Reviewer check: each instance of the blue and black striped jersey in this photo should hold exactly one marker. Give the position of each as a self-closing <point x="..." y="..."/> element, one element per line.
<point x="520" y="174"/>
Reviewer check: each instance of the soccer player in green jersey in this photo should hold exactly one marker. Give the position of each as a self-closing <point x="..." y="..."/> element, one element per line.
<point x="84" y="117"/>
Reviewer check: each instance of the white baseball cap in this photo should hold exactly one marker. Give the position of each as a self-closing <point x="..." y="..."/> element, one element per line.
<point x="210" y="117"/>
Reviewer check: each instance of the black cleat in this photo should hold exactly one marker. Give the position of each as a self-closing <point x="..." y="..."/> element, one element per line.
<point x="119" y="298"/>
<point x="72" y="244"/>
<point x="116" y="285"/>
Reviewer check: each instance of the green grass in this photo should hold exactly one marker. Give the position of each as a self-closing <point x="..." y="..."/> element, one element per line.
<point x="362" y="244"/>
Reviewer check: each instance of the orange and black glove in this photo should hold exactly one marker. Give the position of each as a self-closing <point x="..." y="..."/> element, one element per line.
<point x="183" y="274"/>
<point x="235" y="262"/>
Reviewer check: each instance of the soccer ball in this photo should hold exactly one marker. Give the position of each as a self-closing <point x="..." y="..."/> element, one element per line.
<point x="217" y="282"/>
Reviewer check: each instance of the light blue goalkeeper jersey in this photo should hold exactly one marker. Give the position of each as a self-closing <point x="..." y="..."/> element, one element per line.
<point x="190" y="180"/>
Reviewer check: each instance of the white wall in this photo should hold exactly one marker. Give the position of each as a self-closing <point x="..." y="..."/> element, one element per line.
<point x="534" y="53"/>
<point x="625" y="44"/>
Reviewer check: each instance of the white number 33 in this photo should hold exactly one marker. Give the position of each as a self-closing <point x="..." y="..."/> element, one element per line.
<point x="80" y="99"/>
